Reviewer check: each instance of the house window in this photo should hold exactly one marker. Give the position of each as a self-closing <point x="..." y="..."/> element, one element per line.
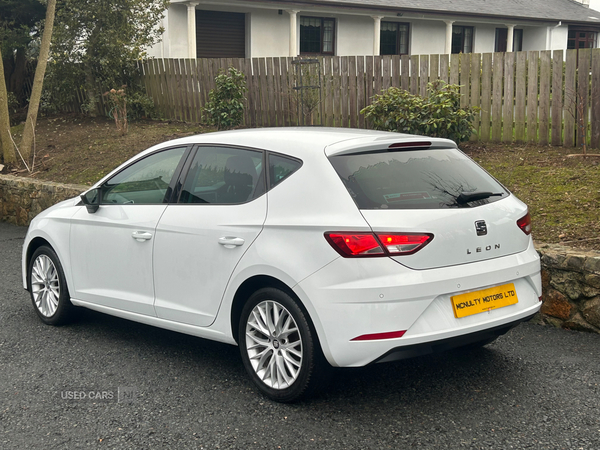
<point x="502" y="38"/>
<point x="317" y="36"/>
<point x="462" y="39"/>
<point x="581" y="38"/>
<point x="394" y="38"/>
<point x="518" y="41"/>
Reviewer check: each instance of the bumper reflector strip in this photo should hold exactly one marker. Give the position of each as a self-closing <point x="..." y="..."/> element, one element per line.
<point x="379" y="336"/>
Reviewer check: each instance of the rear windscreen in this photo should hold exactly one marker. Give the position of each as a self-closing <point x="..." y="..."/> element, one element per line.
<point x="416" y="179"/>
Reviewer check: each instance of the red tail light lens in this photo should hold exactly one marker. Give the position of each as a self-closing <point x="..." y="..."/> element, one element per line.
<point x="352" y="245"/>
<point x="524" y="223"/>
<point x="404" y="244"/>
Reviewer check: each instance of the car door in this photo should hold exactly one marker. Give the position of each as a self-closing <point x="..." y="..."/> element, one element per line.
<point x="200" y="239"/>
<point x="111" y="249"/>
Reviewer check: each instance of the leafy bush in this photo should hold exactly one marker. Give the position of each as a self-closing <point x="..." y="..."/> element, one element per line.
<point x="140" y="106"/>
<point x="438" y="115"/>
<point x="225" y="109"/>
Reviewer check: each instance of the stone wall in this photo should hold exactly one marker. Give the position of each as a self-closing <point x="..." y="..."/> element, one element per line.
<point x="571" y="288"/>
<point x="21" y="199"/>
<point x="571" y="278"/>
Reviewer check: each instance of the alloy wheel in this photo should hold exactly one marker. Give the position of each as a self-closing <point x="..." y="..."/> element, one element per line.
<point x="45" y="285"/>
<point x="274" y="344"/>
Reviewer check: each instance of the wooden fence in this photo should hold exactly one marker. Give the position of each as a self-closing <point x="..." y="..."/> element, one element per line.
<point x="536" y="97"/>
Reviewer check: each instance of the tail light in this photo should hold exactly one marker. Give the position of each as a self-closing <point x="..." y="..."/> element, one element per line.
<point x="356" y="245"/>
<point x="524" y="223"/>
<point x="404" y="244"/>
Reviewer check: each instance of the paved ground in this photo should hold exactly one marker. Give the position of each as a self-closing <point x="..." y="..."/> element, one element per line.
<point x="535" y="388"/>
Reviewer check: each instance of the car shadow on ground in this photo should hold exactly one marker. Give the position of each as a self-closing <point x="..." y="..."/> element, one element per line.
<point x="438" y="377"/>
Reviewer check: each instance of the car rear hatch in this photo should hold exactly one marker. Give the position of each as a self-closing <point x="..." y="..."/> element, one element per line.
<point x="433" y="198"/>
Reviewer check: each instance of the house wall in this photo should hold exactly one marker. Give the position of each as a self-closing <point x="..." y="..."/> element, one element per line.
<point x="535" y="38"/>
<point x="558" y="37"/>
<point x="427" y="37"/>
<point x="177" y="24"/>
<point x="485" y="38"/>
<point x="269" y="33"/>
<point x="354" y="35"/>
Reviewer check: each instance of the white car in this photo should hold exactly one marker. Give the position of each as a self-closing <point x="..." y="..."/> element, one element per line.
<point x="307" y="247"/>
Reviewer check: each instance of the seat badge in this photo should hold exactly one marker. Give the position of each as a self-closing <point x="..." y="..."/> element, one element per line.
<point x="481" y="228"/>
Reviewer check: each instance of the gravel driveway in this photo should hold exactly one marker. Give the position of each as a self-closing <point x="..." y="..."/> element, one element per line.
<point x="105" y="382"/>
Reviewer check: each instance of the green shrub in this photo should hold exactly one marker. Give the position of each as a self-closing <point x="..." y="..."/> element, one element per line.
<point x="438" y="115"/>
<point x="225" y="109"/>
<point x="140" y="106"/>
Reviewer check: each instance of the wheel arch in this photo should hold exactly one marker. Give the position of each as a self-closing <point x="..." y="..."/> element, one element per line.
<point x="33" y="245"/>
<point x="253" y="284"/>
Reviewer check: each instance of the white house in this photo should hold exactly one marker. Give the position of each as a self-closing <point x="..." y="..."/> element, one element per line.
<point x="260" y="28"/>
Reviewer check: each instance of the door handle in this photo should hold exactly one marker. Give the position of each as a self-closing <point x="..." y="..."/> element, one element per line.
<point x="231" y="242"/>
<point x="141" y="236"/>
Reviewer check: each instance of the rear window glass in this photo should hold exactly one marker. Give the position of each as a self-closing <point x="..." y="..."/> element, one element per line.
<point x="416" y="179"/>
<point x="281" y="167"/>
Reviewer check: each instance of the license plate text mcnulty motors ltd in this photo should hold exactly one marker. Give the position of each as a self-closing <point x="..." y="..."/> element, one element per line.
<point x="484" y="300"/>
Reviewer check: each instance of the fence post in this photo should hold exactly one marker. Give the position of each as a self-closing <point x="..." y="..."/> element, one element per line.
<point x="498" y="74"/>
<point x="532" y="97"/>
<point x="595" y="100"/>
<point x="557" y="97"/>
<point x="545" y="80"/>
<point x="476" y="90"/>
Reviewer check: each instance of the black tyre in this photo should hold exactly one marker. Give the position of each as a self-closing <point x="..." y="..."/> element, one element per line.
<point x="279" y="349"/>
<point x="48" y="288"/>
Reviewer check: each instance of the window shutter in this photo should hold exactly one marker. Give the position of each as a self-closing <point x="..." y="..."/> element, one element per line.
<point x="220" y="34"/>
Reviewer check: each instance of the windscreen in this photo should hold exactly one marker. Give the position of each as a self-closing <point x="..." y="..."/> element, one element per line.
<point x="416" y="179"/>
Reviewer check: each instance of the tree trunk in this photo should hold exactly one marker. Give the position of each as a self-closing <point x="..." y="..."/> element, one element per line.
<point x="38" y="81"/>
<point x="17" y="77"/>
<point x="8" y="152"/>
<point x="90" y="89"/>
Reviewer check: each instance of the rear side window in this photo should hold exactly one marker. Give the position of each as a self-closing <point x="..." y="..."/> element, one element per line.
<point x="416" y="179"/>
<point x="281" y="167"/>
<point x="222" y="175"/>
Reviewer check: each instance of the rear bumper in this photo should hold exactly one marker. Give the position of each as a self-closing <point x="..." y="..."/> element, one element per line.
<point x="411" y="351"/>
<point x="355" y="297"/>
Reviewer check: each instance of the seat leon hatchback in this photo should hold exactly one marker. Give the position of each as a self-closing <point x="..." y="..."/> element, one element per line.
<point x="306" y="247"/>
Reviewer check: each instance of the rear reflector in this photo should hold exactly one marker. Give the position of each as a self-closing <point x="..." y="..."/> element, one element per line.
<point x="353" y="245"/>
<point x="524" y="223"/>
<point x="380" y="336"/>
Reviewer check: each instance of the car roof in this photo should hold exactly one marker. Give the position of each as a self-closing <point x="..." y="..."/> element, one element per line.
<point x="303" y="141"/>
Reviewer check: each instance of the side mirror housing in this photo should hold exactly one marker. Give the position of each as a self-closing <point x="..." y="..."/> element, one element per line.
<point x="91" y="199"/>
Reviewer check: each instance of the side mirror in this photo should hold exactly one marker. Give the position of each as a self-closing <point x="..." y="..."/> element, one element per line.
<point x="91" y="199"/>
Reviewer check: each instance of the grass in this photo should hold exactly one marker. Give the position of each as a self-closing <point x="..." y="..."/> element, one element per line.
<point x="563" y="193"/>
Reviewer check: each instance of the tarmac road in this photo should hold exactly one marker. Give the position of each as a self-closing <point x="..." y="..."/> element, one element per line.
<point x="105" y="382"/>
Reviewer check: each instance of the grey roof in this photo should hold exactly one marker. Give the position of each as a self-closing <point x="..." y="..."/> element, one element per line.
<point x="548" y="10"/>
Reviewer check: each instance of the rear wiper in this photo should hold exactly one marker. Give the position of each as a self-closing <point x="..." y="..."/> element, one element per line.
<point x="467" y="197"/>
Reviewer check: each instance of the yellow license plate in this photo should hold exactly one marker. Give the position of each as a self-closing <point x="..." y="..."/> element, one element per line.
<point x="484" y="300"/>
